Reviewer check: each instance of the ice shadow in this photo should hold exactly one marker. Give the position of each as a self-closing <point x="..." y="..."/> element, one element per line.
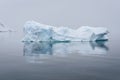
<point x="43" y="50"/>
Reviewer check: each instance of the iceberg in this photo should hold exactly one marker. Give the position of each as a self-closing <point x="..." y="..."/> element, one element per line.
<point x="3" y="28"/>
<point x="35" y="31"/>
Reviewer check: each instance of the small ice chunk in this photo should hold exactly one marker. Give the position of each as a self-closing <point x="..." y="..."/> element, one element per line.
<point x="35" y="31"/>
<point x="3" y="28"/>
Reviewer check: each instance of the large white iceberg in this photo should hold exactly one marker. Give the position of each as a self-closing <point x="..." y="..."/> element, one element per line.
<point x="35" y="31"/>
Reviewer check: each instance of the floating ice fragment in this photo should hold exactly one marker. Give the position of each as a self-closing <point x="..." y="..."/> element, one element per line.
<point x="39" y="32"/>
<point x="3" y="28"/>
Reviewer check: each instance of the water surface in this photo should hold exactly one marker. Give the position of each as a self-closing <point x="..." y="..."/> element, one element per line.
<point x="57" y="61"/>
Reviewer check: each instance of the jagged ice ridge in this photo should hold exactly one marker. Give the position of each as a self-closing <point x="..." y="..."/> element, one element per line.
<point x="35" y="31"/>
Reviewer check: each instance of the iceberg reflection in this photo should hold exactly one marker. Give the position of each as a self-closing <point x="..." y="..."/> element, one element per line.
<point x="36" y="51"/>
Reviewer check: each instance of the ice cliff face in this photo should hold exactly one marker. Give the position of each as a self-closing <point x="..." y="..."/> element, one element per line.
<point x="39" y="32"/>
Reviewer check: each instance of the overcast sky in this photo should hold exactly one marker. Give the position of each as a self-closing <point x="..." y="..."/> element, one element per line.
<point x="73" y="13"/>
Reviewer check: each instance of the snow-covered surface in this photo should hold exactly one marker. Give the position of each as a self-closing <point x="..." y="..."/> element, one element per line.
<point x="35" y="31"/>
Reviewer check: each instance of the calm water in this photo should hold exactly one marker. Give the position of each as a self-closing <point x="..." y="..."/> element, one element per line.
<point x="60" y="61"/>
<point x="57" y="61"/>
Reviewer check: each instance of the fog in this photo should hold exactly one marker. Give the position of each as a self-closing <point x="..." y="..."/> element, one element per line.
<point x="15" y="55"/>
<point x="73" y="13"/>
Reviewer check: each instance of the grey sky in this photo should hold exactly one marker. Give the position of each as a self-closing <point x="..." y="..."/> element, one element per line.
<point x="73" y="13"/>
